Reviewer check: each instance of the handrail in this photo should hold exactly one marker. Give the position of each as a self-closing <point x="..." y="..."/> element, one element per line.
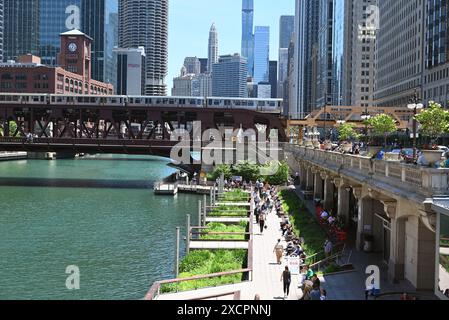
<point x="157" y="285"/>
<point x="155" y="288"/>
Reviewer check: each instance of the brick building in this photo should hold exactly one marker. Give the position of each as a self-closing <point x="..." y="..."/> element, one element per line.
<point x="73" y="76"/>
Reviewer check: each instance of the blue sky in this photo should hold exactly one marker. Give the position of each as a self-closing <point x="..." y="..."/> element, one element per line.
<point x="190" y="21"/>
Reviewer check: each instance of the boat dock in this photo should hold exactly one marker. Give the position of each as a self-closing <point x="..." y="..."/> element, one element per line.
<point x="6" y="156"/>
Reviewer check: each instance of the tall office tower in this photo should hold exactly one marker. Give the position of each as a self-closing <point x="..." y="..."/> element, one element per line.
<point x="362" y="61"/>
<point x="286" y="29"/>
<point x="193" y="65"/>
<point x="56" y="17"/>
<point x="2" y="21"/>
<point x="325" y="54"/>
<point x="203" y="63"/>
<point x="342" y="52"/>
<point x="261" y="54"/>
<point x="282" y="72"/>
<point x="21" y="28"/>
<point x="436" y="66"/>
<point x="130" y="71"/>
<point x="399" y="51"/>
<point x="229" y="77"/>
<point x="213" y="48"/>
<point x="202" y="85"/>
<point x="302" y="80"/>
<point x="247" y="34"/>
<point x="182" y="85"/>
<point x="311" y="55"/>
<point x="145" y="23"/>
<point x="100" y="21"/>
<point x="273" y="78"/>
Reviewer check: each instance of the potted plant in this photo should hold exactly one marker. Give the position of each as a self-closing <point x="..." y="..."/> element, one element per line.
<point x="434" y="122"/>
<point x="384" y="125"/>
<point x="346" y="132"/>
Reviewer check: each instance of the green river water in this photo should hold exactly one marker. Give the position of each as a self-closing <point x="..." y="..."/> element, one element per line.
<point x="98" y="213"/>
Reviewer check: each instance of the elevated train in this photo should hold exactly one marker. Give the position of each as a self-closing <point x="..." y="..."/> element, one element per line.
<point x="259" y="105"/>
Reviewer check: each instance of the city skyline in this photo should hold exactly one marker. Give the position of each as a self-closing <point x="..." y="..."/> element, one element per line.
<point x="227" y="16"/>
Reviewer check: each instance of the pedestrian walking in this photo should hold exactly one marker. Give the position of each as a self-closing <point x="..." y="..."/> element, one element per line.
<point x="262" y="222"/>
<point x="279" y="250"/>
<point x="286" y="278"/>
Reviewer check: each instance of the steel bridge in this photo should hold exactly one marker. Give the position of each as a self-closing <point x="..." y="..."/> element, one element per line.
<point x="92" y="127"/>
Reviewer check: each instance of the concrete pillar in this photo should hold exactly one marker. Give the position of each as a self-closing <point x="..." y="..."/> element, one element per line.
<point x="318" y="191"/>
<point x="365" y="209"/>
<point x="426" y="258"/>
<point x="310" y="180"/>
<point x="397" y="250"/>
<point x="303" y="177"/>
<point x="343" y="201"/>
<point x="328" y="193"/>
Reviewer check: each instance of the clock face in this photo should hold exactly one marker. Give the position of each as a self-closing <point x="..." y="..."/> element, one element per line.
<point x="72" y="47"/>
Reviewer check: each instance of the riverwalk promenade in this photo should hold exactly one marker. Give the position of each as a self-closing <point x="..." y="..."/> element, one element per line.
<point x="266" y="276"/>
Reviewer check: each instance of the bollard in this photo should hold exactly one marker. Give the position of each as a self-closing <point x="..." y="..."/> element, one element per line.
<point x="177" y="253"/>
<point x="204" y="210"/>
<point x="188" y="235"/>
<point x="200" y="213"/>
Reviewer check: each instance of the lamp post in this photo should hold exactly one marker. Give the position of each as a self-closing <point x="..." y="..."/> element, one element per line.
<point x="415" y="105"/>
<point x="365" y="117"/>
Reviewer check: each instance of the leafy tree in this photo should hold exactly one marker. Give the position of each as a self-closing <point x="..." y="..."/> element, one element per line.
<point x="12" y="128"/>
<point x="248" y="171"/>
<point x="281" y="175"/>
<point x="222" y="169"/>
<point x="347" y="131"/>
<point x="383" y="124"/>
<point x="434" y="121"/>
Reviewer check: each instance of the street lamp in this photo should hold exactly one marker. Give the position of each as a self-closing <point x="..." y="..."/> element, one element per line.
<point x="415" y="105"/>
<point x="365" y="117"/>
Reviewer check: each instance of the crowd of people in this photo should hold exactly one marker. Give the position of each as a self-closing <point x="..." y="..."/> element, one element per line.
<point x="266" y="203"/>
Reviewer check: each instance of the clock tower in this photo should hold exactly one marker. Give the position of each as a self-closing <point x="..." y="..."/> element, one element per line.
<point x="75" y="53"/>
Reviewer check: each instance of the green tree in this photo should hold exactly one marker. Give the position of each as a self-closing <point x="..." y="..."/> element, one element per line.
<point x="434" y="121"/>
<point x="222" y="169"/>
<point x="248" y="171"/>
<point x="347" y="132"/>
<point x="281" y="175"/>
<point x="383" y="124"/>
<point x="12" y="128"/>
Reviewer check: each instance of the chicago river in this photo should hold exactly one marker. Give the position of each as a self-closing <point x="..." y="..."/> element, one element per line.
<point x="98" y="213"/>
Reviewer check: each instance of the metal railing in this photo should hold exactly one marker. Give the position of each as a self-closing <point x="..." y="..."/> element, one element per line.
<point x="155" y="289"/>
<point x="428" y="181"/>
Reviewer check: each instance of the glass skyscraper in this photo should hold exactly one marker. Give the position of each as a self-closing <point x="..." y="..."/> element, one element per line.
<point x="261" y="54"/>
<point x="286" y="29"/>
<point x="229" y="77"/>
<point x="21" y="28"/>
<point x="100" y="21"/>
<point x="338" y="51"/>
<point x="247" y="34"/>
<point x="56" y="17"/>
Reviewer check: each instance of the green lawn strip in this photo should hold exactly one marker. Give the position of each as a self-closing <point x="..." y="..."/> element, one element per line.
<point x="204" y="262"/>
<point x="229" y="211"/>
<point x="304" y="225"/>
<point x="221" y="227"/>
<point x="234" y="196"/>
